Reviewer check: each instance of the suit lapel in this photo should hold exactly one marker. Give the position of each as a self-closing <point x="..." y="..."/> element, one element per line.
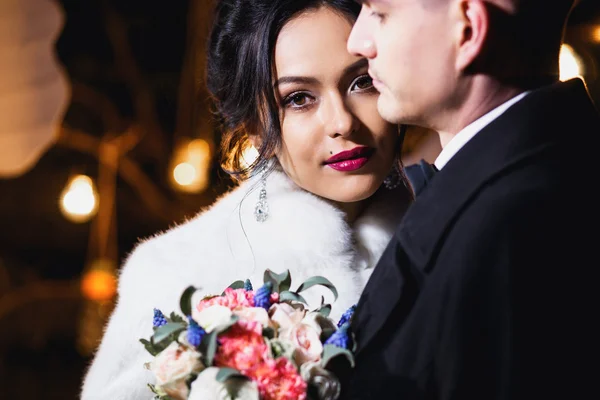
<point x="495" y="150"/>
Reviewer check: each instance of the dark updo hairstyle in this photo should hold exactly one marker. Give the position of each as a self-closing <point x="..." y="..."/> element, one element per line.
<point x="240" y="71"/>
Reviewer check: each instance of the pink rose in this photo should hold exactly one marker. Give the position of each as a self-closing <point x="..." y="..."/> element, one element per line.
<point x="232" y="298"/>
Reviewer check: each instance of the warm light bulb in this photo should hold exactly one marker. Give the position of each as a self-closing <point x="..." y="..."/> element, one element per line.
<point x="184" y="174"/>
<point x="596" y="34"/>
<point x="191" y="165"/>
<point x="79" y="201"/>
<point x="569" y="63"/>
<point x="99" y="282"/>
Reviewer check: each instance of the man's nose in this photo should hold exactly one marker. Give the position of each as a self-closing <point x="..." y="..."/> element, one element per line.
<point x="360" y="42"/>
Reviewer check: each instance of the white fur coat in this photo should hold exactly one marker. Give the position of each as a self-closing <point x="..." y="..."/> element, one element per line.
<point x="303" y="234"/>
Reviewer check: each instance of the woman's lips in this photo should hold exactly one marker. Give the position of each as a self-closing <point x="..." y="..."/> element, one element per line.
<point x="351" y="160"/>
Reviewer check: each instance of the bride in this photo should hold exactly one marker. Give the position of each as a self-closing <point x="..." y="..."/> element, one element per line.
<point x="323" y="198"/>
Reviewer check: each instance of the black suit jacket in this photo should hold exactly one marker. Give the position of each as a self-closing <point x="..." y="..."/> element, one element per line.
<point x="488" y="289"/>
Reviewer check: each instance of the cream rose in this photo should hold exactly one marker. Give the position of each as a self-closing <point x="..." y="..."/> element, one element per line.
<point x="173" y="366"/>
<point x="212" y="317"/>
<point x="286" y="316"/>
<point x="206" y="386"/>
<point x="306" y="341"/>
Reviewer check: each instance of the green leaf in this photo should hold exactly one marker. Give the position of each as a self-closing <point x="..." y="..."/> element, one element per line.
<point x="235" y="285"/>
<point x="320" y="281"/>
<point x="268" y="332"/>
<point x="167" y="330"/>
<point x="291" y="296"/>
<point x="185" y="301"/>
<point x="330" y="351"/>
<point x="208" y="347"/>
<point x="281" y="282"/>
<point x="149" y="346"/>
<point x="176" y="318"/>
<point x="226" y="373"/>
<point x="325" y="310"/>
<point x="151" y="386"/>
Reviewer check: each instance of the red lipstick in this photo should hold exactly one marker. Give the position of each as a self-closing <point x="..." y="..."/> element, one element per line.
<point x="350" y="160"/>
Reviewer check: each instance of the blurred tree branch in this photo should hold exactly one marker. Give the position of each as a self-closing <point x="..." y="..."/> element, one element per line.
<point x="142" y="96"/>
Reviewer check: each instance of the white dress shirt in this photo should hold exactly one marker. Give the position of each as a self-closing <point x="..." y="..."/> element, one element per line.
<point x="468" y="132"/>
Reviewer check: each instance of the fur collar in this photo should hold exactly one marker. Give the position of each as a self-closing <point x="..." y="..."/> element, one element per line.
<point x="304" y="234"/>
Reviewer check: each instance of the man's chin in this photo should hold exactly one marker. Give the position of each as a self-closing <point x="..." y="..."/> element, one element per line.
<point x="388" y="108"/>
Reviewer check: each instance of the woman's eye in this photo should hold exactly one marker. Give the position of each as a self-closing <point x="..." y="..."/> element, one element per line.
<point x="297" y="100"/>
<point x="364" y="82"/>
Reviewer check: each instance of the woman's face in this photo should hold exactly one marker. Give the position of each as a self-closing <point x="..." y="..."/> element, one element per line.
<point x="334" y="142"/>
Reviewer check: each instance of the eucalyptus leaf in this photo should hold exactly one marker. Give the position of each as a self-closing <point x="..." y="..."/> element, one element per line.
<point x="281" y="282"/>
<point x="325" y="310"/>
<point x="226" y="373"/>
<point x="149" y="346"/>
<point x="208" y="347"/>
<point x="234" y="384"/>
<point x="330" y="351"/>
<point x="176" y="318"/>
<point x="318" y="281"/>
<point x="185" y="301"/>
<point x="291" y="296"/>
<point x="167" y="330"/>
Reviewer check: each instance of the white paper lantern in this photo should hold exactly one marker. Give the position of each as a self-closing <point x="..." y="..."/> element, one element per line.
<point x="34" y="90"/>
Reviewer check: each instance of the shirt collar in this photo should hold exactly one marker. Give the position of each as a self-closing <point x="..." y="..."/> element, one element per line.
<point x="468" y="132"/>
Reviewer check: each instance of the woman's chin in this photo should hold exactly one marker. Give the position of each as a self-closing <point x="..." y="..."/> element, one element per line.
<point x="353" y="191"/>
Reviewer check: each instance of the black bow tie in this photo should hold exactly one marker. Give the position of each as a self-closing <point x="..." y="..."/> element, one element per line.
<point x="419" y="175"/>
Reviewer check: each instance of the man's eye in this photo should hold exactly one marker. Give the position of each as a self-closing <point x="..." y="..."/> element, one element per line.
<point x="377" y="15"/>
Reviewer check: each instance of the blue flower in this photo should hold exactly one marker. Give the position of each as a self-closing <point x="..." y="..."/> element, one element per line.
<point x="159" y="319"/>
<point x="262" y="297"/>
<point x="340" y="338"/>
<point x="346" y="316"/>
<point x="195" y="333"/>
<point x="247" y="285"/>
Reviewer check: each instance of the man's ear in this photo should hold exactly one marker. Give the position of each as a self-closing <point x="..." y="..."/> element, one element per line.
<point x="474" y="19"/>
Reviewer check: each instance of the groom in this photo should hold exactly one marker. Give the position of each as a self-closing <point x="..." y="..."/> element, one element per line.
<point x="487" y="289"/>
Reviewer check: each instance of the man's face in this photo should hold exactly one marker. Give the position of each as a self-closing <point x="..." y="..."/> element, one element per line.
<point x="411" y="48"/>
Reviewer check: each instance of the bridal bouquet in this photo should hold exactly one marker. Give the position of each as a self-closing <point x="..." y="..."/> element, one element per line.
<point x="263" y="344"/>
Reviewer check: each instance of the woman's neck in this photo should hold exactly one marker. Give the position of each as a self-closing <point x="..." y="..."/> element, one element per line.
<point x="352" y="210"/>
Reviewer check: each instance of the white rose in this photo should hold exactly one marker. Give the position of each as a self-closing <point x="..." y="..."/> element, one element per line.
<point x="173" y="366"/>
<point x="255" y="314"/>
<point x="206" y="387"/>
<point x="212" y="317"/>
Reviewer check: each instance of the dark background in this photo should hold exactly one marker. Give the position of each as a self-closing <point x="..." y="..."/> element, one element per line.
<point x="128" y="67"/>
